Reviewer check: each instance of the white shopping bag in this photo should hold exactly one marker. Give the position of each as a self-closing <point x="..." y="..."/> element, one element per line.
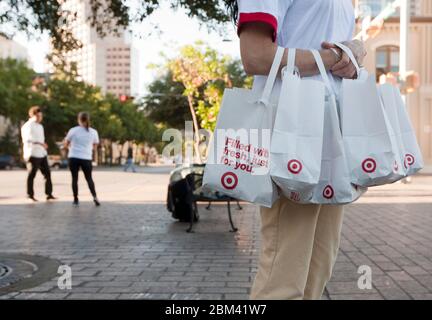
<point x="334" y="186"/>
<point x="238" y="164"/>
<point x="386" y="92"/>
<point x="297" y="138"/>
<point x="370" y="153"/>
<point x="412" y="159"/>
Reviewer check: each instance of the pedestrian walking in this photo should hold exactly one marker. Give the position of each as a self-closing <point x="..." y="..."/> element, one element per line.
<point x="35" y="152"/>
<point x="299" y="242"/>
<point x="129" y="161"/>
<point x="81" y="141"/>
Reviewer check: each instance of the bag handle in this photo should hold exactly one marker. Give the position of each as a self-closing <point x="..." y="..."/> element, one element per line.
<point x="322" y="70"/>
<point x="350" y="54"/>
<point x="265" y="98"/>
<point x="290" y="67"/>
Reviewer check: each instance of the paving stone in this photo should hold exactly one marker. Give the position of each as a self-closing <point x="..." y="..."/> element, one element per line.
<point x="223" y="290"/>
<point x="413" y="287"/>
<point x="196" y="296"/>
<point x="203" y="284"/>
<point x="93" y="296"/>
<point x="116" y="284"/>
<point x="41" y="296"/>
<point x="349" y="287"/>
<point x="394" y="294"/>
<point x="422" y="296"/>
<point x="400" y="275"/>
<point x="415" y="270"/>
<point x="372" y="296"/>
<point x="233" y="296"/>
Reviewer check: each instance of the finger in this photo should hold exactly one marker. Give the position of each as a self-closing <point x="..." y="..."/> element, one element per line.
<point x="345" y="60"/>
<point x="328" y="45"/>
<point x="347" y="73"/>
<point x="350" y="73"/>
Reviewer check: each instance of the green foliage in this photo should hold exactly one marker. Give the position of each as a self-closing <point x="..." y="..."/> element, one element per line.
<point x="165" y="102"/>
<point x="107" y="16"/>
<point x="204" y="74"/>
<point x="9" y="143"/>
<point x="115" y="120"/>
<point x="61" y="99"/>
<point x="16" y="94"/>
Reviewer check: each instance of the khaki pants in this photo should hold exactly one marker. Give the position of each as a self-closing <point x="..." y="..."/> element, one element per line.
<point x="299" y="245"/>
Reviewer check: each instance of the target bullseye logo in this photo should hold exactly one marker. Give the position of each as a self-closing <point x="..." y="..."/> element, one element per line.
<point x="229" y="180"/>
<point x="409" y="160"/>
<point x="295" y="166"/>
<point x="328" y="192"/>
<point x="369" y="165"/>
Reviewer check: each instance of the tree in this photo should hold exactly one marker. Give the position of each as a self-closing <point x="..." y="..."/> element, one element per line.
<point x="201" y="75"/>
<point x="9" y="144"/>
<point x="61" y="98"/>
<point x="16" y="94"/>
<point x="107" y="16"/>
<point x="64" y="98"/>
<point x="133" y="125"/>
<point x="204" y="73"/>
<point x="116" y="121"/>
<point x="165" y="102"/>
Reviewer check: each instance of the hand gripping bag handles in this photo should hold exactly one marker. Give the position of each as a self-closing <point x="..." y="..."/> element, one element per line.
<point x="410" y="155"/>
<point x="239" y="155"/>
<point x="334" y="186"/>
<point x="297" y="139"/>
<point x="371" y="149"/>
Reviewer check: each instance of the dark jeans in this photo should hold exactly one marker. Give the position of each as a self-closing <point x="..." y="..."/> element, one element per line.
<point x="87" y="167"/>
<point x="33" y="165"/>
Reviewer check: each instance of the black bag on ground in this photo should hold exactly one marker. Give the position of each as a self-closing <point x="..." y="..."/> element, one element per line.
<point x="180" y="199"/>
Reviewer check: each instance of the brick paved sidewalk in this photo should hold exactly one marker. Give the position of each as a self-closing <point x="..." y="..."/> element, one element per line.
<point x="131" y="248"/>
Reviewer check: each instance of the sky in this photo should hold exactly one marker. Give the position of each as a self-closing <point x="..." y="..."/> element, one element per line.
<point x="169" y="31"/>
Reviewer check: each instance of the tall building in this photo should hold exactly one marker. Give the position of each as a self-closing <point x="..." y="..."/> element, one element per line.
<point x="12" y="49"/>
<point x="383" y="57"/>
<point x="105" y="62"/>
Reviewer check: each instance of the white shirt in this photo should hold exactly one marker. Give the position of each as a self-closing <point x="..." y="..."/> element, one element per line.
<point x="302" y="24"/>
<point x="32" y="132"/>
<point x="81" y="142"/>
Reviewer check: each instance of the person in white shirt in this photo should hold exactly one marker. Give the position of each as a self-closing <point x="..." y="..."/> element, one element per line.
<point x="299" y="242"/>
<point x="35" y="152"/>
<point x="81" y="140"/>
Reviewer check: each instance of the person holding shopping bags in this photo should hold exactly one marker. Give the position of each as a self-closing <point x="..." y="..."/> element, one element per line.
<point x="299" y="242"/>
<point x="81" y="141"/>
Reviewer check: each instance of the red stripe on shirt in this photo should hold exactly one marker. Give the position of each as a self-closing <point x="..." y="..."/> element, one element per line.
<point x="258" y="17"/>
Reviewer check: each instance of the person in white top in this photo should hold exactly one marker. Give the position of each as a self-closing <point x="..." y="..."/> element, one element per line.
<point x="35" y="152"/>
<point x="299" y="242"/>
<point x="81" y="141"/>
